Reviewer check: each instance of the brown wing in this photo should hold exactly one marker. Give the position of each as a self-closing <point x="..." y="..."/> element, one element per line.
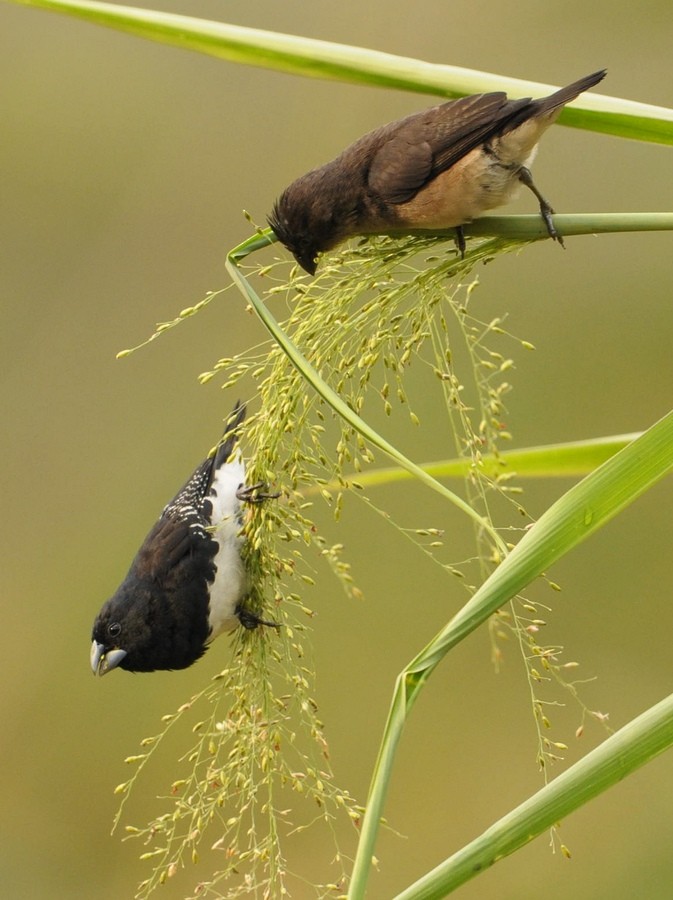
<point x="423" y="145"/>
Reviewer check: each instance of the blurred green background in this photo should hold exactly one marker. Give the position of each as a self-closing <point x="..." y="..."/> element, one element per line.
<point x="125" y="169"/>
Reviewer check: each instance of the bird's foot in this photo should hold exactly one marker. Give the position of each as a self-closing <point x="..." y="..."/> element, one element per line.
<point x="546" y="210"/>
<point x="256" y="493"/>
<point x="460" y="241"/>
<point x="251" y="620"/>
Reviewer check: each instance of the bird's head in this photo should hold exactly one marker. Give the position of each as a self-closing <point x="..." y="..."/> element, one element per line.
<point x="120" y="637"/>
<point x="294" y="229"/>
<point x="309" y="218"/>
<point x="140" y="630"/>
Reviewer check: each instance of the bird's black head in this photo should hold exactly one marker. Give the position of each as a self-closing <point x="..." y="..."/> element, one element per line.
<point x="107" y="642"/>
<point x="138" y="630"/>
<point x="123" y="634"/>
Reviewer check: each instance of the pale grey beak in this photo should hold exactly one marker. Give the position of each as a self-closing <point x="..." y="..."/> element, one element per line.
<point x="102" y="662"/>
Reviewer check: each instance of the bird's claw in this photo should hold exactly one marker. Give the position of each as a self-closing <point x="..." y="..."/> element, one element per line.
<point x="547" y="212"/>
<point x="460" y="241"/>
<point x="546" y="209"/>
<point x="256" y="493"/>
<point x="250" y="620"/>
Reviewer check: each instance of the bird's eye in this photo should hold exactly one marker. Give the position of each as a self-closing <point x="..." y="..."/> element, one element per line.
<point x="114" y="628"/>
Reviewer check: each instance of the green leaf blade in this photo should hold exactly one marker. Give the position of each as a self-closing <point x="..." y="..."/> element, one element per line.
<point x="356" y="65"/>
<point x="644" y="738"/>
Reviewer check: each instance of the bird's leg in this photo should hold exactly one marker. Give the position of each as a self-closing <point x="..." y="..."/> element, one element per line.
<point x="546" y="210"/>
<point x="460" y="240"/>
<point x="251" y="620"/>
<point x="256" y="493"/>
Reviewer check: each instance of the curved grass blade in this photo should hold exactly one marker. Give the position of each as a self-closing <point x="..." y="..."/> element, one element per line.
<point x="322" y="59"/>
<point x="570" y="459"/>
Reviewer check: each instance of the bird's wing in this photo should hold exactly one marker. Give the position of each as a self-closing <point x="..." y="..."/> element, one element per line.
<point x="170" y="541"/>
<point x="182" y="529"/>
<point x="426" y="144"/>
<point x="189" y="501"/>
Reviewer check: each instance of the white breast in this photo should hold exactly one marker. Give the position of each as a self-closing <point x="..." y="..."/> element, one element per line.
<point x="229" y="586"/>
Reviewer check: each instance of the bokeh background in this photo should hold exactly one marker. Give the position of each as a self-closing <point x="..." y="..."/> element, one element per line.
<point x="125" y="167"/>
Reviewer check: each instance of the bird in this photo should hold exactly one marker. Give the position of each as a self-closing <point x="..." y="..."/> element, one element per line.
<point x="187" y="584"/>
<point x="435" y="169"/>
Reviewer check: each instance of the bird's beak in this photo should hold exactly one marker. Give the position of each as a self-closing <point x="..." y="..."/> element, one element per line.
<point x="102" y="662"/>
<point x="308" y="264"/>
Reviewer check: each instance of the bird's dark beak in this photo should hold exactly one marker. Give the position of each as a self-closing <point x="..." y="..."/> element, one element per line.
<point x="102" y="662"/>
<point x="308" y="264"/>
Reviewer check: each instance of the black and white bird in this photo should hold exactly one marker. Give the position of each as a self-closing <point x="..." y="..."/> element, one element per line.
<point x="187" y="582"/>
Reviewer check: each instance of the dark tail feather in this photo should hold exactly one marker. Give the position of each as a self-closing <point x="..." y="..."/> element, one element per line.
<point x="566" y="94"/>
<point x="230" y="437"/>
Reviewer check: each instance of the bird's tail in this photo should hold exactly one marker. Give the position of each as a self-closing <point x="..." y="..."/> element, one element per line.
<point x="230" y="436"/>
<point x="566" y="94"/>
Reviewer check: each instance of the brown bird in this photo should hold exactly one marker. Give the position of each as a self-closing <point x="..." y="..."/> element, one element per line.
<point x="439" y="168"/>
